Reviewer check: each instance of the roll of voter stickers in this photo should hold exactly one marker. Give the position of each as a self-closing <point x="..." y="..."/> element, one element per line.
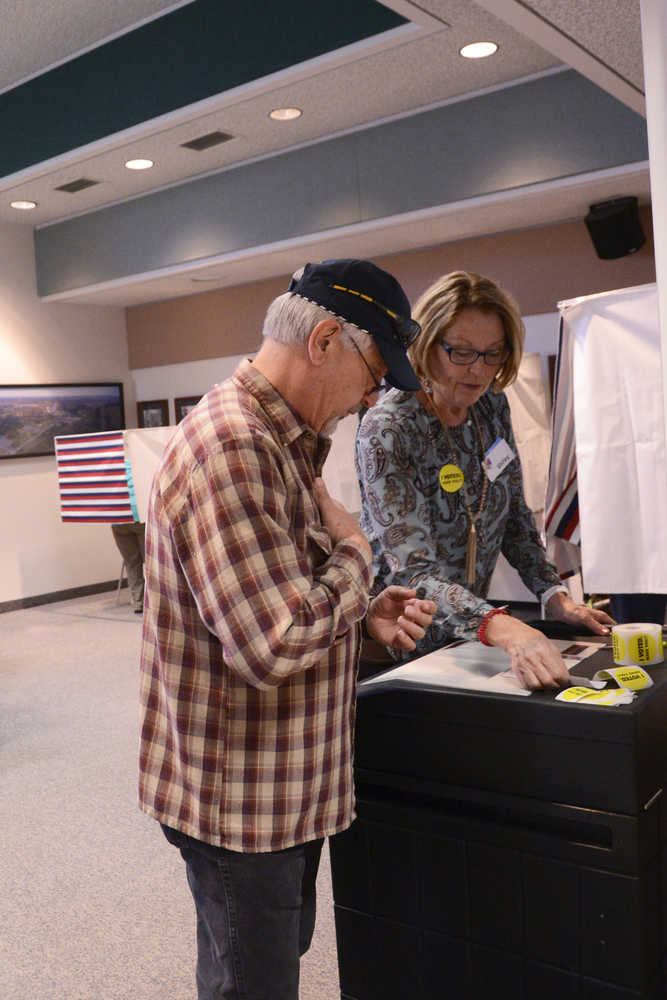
<point x="637" y="643"/>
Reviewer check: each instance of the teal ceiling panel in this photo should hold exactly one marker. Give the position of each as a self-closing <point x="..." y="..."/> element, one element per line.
<point x="549" y="128"/>
<point x="199" y="50"/>
<point x="309" y="190"/>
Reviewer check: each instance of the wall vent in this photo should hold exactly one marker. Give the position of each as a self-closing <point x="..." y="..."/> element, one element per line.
<point x="80" y="185"/>
<point x="208" y="140"/>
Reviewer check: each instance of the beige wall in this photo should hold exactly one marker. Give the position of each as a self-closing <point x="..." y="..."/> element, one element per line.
<point x="539" y="266"/>
<point x="50" y="342"/>
<point x="213" y="324"/>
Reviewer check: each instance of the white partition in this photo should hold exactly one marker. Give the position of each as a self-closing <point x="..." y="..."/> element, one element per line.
<point x="611" y="369"/>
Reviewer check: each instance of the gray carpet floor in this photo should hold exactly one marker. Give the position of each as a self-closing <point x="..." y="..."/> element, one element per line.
<point x="94" y="903"/>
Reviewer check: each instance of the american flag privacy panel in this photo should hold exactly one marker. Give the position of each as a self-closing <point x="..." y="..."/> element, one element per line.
<point x="94" y="478"/>
<point x="562" y="499"/>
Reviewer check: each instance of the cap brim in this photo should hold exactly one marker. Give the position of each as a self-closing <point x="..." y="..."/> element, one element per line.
<point x="400" y="372"/>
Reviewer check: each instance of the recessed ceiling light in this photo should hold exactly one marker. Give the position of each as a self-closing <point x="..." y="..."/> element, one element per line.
<point x="23" y="206"/>
<point x="478" y="50"/>
<point x="285" y="114"/>
<point x="138" y="164"/>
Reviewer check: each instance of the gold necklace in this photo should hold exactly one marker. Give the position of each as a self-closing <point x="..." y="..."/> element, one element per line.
<point x="471" y="547"/>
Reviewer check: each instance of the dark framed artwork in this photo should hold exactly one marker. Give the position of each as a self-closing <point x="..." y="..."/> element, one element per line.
<point x="32" y="415"/>
<point x="153" y="413"/>
<point x="183" y="405"/>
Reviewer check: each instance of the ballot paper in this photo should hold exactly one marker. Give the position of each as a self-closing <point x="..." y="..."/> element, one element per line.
<point x="472" y="666"/>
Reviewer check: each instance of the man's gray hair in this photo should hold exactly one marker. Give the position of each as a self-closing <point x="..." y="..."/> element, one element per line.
<point x="290" y="319"/>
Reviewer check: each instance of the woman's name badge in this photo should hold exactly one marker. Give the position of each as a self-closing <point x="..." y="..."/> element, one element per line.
<point x="451" y="478"/>
<point x="497" y="458"/>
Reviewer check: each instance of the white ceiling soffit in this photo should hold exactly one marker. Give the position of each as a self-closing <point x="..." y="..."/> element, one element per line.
<point x="38" y="36"/>
<point x="601" y="39"/>
<point x="397" y="73"/>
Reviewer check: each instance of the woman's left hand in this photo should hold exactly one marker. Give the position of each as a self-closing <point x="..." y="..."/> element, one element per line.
<point x="562" y="608"/>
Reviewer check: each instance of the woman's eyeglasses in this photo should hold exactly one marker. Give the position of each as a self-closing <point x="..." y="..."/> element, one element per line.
<point x="466" y="355"/>
<point x="406" y="329"/>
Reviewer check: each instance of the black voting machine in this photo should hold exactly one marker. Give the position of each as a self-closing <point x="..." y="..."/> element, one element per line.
<point x="505" y="846"/>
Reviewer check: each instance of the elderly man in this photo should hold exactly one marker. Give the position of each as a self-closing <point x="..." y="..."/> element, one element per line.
<point x="256" y="590"/>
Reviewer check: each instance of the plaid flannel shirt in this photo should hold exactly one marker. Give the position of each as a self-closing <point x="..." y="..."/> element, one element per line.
<point x="251" y="637"/>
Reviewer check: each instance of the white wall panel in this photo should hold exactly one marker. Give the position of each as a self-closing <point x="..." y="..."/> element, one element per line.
<point x="50" y="343"/>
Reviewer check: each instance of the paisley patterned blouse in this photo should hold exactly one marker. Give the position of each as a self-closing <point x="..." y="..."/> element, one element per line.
<point x="419" y="532"/>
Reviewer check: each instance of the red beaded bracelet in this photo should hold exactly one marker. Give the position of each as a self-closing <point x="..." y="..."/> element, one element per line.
<point x="481" y="631"/>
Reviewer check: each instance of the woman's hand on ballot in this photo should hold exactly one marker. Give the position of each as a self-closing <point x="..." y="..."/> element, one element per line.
<point x="534" y="659"/>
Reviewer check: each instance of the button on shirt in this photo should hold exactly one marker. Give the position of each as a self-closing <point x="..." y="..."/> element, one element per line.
<point x="251" y="635"/>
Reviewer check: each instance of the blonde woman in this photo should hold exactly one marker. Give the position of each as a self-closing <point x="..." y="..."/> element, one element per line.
<point x="441" y="484"/>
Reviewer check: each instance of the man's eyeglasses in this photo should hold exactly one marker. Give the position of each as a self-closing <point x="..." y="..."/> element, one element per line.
<point x="466" y="355"/>
<point x="377" y="386"/>
<point x="406" y="329"/>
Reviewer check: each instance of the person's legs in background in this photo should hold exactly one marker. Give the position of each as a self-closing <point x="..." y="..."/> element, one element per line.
<point x="130" y="541"/>
<point x="255" y="917"/>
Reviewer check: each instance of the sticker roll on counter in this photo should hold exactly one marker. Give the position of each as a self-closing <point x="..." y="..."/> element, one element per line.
<point x="638" y="644"/>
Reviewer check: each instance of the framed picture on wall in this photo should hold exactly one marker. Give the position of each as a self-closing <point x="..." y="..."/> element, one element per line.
<point x="153" y="413"/>
<point x="32" y="415"/>
<point x="183" y="405"/>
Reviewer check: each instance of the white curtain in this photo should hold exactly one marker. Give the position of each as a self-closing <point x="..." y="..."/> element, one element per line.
<point x="616" y="381"/>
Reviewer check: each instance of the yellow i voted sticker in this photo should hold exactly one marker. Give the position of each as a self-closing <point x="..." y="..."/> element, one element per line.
<point x="584" y="695"/>
<point x="642" y="648"/>
<point x="638" y="644"/>
<point x="573" y="694"/>
<point x="633" y="678"/>
<point x="619" y="647"/>
<point x="451" y="478"/>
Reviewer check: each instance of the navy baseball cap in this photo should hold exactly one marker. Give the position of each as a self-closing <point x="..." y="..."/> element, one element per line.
<point x="372" y="299"/>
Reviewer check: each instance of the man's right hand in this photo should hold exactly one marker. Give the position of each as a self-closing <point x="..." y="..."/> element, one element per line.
<point x="341" y="525"/>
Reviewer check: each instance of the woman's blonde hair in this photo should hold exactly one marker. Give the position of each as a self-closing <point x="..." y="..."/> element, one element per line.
<point x="440" y="306"/>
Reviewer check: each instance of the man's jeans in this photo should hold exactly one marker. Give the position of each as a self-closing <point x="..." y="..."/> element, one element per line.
<point x="255" y="917"/>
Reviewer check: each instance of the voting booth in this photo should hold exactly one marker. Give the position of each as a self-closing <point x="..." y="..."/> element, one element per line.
<point x="106" y="477"/>
<point x="514" y="844"/>
<point x="506" y="844"/>
<point x="606" y="500"/>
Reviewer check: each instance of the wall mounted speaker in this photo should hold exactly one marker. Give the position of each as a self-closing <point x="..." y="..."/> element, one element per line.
<point x="615" y="228"/>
